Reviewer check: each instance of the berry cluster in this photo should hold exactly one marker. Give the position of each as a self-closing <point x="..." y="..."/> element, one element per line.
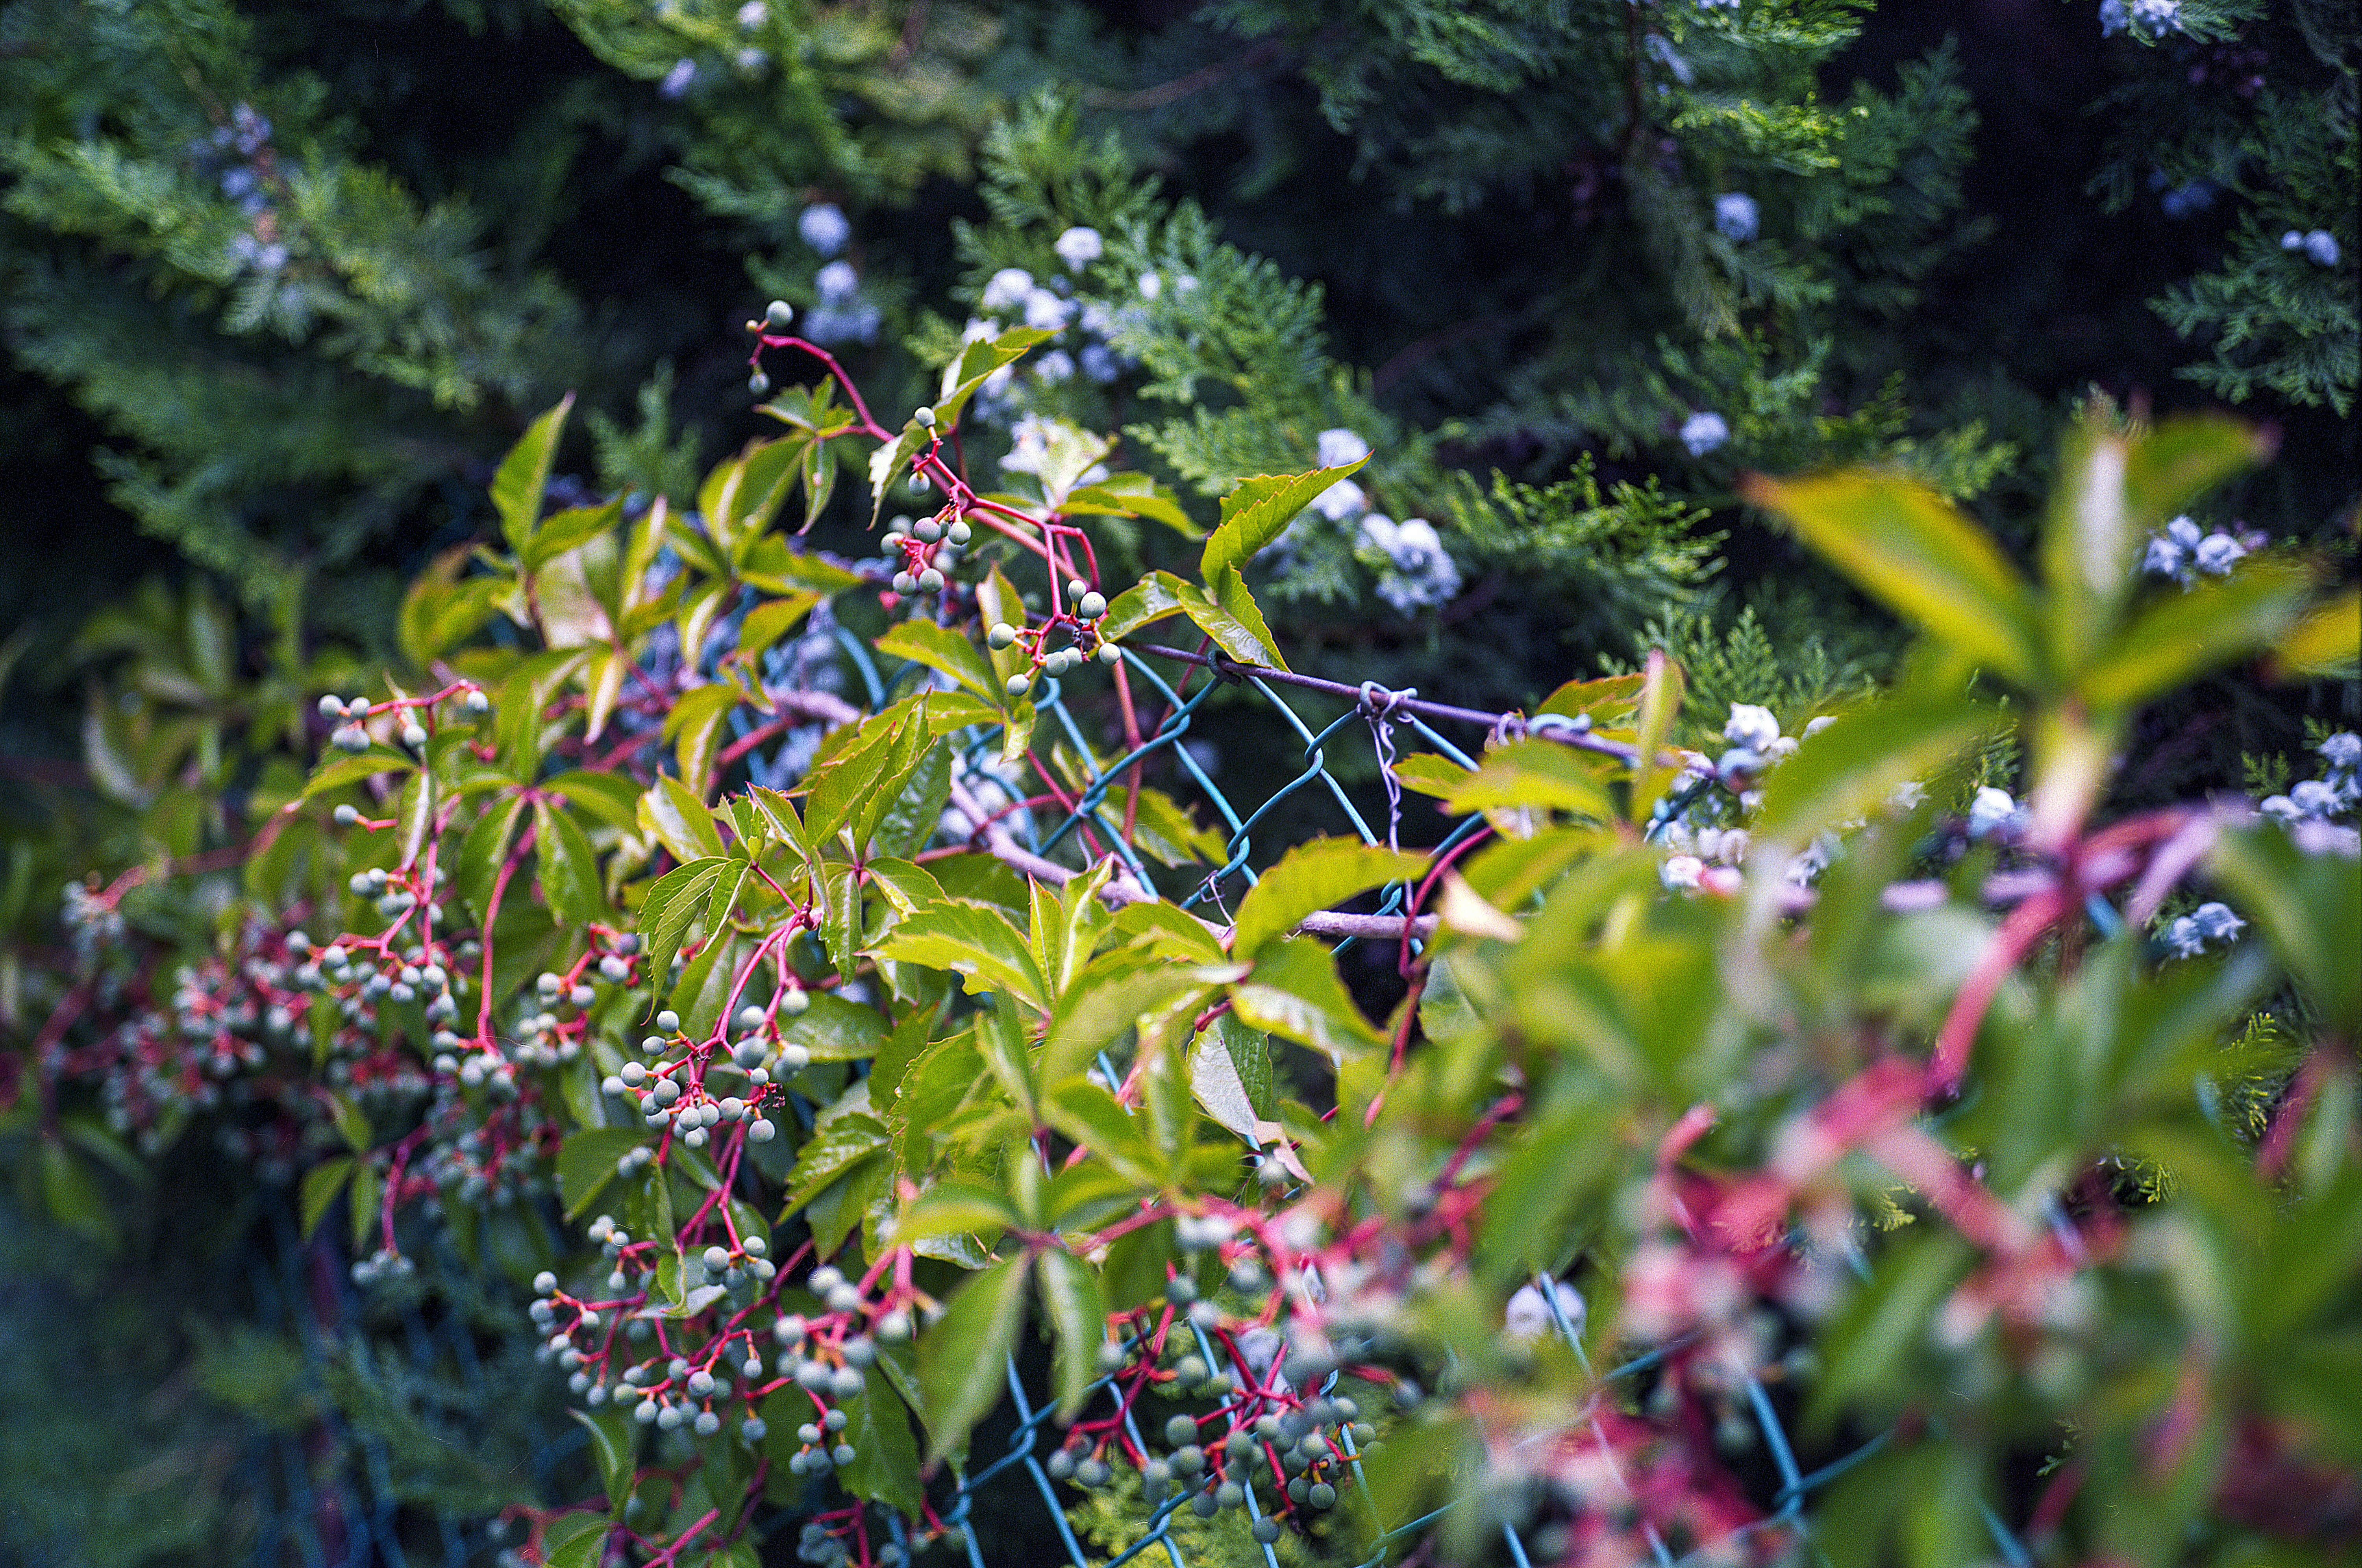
<point x="1080" y="624"/>
<point x="691" y="1089"/>
<point x="922" y="554"/>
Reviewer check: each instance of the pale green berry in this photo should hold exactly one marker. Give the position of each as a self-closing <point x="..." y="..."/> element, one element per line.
<point x="904" y="582"/>
<point x="927" y="530"/>
<point x="346" y="816"/>
<point x="1091" y="606"/>
<point x="1019" y="684"/>
<point x="795" y="1000"/>
<point x="758" y="383"/>
<point x="1001" y="636"/>
<point x="959" y="532"/>
<point x="1109" y="654"/>
<point x="923" y="416"/>
<point x="931" y="581"/>
<point x="332" y="706"/>
<point x="668" y="1023"/>
<point x="779" y="316"/>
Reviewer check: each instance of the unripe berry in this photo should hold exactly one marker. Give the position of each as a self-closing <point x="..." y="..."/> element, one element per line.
<point x="1091" y="606"/>
<point x="762" y="1132"/>
<point x="905" y="583"/>
<point x="959" y="532"/>
<point x="779" y="315"/>
<point x="346" y="816"/>
<point x="332" y="706"/>
<point x="1109" y="654"/>
<point x="1001" y="636"/>
<point x="923" y="416"/>
<point x="931" y="581"/>
<point x="716" y="1259"/>
<point x="1019" y="684"/>
<point x="758" y="383"/>
<point x="478" y="703"/>
<point x="927" y="530"/>
<point x="414" y="736"/>
<point x="668" y="1023"/>
<point x="794" y="1000"/>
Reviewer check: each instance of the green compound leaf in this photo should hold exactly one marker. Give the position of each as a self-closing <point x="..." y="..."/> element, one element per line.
<point x="1078" y="1310"/>
<point x="835" y="1146"/>
<point x="1903" y="546"/>
<point x="353" y="769"/>
<point x="1310" y="877"/>
<point x="323" y="1184"/>
<point x="586" y="1165"/>
<point x="954" y="1208"/>
<point x="1528" y="773"/>
<point x="524" y="473"/>
<point x="1229" y="615"/>
<point x="610" y="1437"/>
<point x="943" y="649"/>
<point x="1851" y="767"/>
<point x="583" y="1546"/>
<point x="1152" y="599"/>
<point x="963" y="1358"/>
<point x="885" y="1467"/>
<point x="975" y="941"/>
<point x="832" y="1029"/>
<point x="1259" y="510"/>
<point x="678" y="819"/>
<point x="1295" y="993"/>
<point x="570" y="869"/>
<point x="674" y="902"/>
<point x="2183" y="635"/>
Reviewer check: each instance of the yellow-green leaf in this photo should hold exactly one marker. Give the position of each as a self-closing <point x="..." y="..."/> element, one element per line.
<point x="1903" y="544"/>
<point x="1311" y="876"/>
